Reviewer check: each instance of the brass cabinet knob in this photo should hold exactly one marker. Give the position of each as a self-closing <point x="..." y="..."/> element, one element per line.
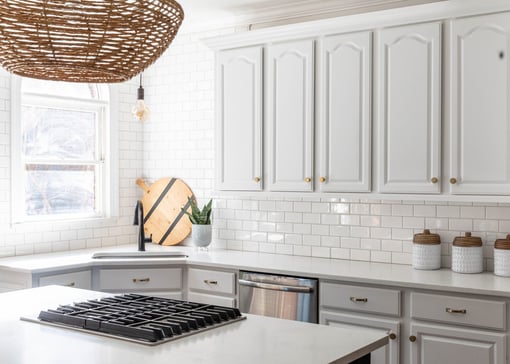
<point x="412" y="338"/>
<point x="308" y="180"/>
<point x="392" y="336"/>
<point x="434" y="180"/>
<point x="453" y="180"/>
<point x="257" y="179"/>
<point x="322" y="179"/>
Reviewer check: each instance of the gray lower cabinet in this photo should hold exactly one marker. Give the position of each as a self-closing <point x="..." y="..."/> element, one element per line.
<point x="155" y="281"/>
<point x="457" y="329"/>
<point x="424" y="327"/>
<point x="78" y="279"/>
<point x="347" y="305"/>
<point x="215" y="287"/>
<point x="386" y="355"/>
<point x="433" y="344"/>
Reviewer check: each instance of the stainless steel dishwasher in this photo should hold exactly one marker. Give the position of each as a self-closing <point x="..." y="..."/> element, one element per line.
<point x="284" y="297"/>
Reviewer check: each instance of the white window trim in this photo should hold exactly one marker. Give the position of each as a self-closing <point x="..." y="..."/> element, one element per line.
<point x="110" y="187"/>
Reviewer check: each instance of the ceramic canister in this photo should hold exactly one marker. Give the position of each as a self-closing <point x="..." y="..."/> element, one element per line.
<point x="467" y="254"/>
<point x="502" y="257"/>
<point x="426" y="251"/>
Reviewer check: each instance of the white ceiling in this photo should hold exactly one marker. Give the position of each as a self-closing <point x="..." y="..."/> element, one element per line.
<point x="214" y="13"/>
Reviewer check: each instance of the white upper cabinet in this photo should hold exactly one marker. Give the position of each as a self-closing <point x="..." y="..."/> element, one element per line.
<point x="480" y="125"/>
<point x="344" y="97"/>
<point x="239" y="114"/>
<point x="290" y="111"/>
<point x="409" y="109"/>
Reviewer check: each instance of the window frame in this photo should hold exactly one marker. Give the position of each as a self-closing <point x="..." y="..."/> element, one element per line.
<point x="107" y="198"/>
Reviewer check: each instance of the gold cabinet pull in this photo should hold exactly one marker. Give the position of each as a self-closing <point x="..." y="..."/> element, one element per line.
<point x="257" y="179"/>
<point x="359" y="299"/>
<point x="455" y="310"/>
<point x="72" y="284"/>
<point x="453" y="180"/>
<point x="434" y="180"/>
<point x="392" y="336"/>
<point x="207" y="281"/>
<point x="141" y="280"/>
<point x="322" y="179"/>
<point x="308" y="180"/>
<point x="412" y="338"/>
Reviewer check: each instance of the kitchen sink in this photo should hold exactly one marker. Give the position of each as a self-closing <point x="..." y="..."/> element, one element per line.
<point x="139" y="255"/>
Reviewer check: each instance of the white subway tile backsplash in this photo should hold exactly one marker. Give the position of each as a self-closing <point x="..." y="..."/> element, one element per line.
<point x="392" y="221"/>
<point x="424" y="210"/>
<point x="330" y="241"/>
<point x="498" y="213"/>
<point x="320" y="230"/>
<point x="303" y="250"/>
<point x="357" y="254"/>
<point x="472" y="212"/>
<point x="461" y="224"/>
<point x="350" y="243"/>
<point x="340" y="253"/>
<point x="380" y="256"/>
<point x="340" y="208"/>
<point x="321" y="252"/>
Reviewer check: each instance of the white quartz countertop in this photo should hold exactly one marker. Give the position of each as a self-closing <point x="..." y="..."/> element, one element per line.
<point x="252" y="341"/>
<point x="330" y="269"/>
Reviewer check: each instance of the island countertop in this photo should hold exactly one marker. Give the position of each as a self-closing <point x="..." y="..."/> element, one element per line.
<point x="254" y="340"/>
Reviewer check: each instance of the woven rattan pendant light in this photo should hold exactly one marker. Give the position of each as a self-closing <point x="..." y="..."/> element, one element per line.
<point x="96" y="41"/>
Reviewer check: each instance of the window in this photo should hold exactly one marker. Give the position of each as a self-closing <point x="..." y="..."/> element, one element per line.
<point x="61" y="157"/>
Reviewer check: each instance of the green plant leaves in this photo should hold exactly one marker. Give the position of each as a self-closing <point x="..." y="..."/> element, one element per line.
<point x="197" y="216"/>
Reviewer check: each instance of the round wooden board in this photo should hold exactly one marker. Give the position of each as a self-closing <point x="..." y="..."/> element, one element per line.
<point x="162" y="205"/>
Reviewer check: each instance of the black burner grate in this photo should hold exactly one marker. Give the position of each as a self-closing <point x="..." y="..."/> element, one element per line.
<point x="141" y="318"/>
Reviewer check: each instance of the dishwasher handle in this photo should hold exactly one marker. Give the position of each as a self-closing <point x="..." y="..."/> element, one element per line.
<point x="276" y="287"/>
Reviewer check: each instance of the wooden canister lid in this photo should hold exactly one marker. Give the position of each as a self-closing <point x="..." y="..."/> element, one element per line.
<point x="426" y="238"/>
<point x="467" y="241"/>
<point x="502" y="243"/>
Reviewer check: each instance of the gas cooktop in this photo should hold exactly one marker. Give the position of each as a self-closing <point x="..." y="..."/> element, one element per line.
<point x="143" y="319"/>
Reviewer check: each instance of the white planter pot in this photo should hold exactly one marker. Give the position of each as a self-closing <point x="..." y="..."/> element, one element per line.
<point x="201" y="235"/>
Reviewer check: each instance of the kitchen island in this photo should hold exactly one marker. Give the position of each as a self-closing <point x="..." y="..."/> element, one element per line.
<point x="254" y="340"/>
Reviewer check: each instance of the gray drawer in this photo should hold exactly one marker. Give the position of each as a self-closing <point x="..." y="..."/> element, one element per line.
<point x="361" y="299"/>
<point x="459" y="310"/>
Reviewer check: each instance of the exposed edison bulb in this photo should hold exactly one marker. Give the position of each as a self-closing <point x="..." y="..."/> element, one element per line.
<point x="140" y="111"/>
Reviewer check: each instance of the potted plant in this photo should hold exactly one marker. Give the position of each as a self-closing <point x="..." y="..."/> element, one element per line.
<point x="201" y="228"/>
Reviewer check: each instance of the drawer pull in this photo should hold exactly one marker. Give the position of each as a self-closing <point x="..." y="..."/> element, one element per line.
<point x="72" y="284"/>
<point x="213" y="283"/>
<point x="359" y="299"/>
<point x="453" y="310"/>
<point x="412" y="338"/>
<point x="141" y="280"/>
<point x="392" y="336"/>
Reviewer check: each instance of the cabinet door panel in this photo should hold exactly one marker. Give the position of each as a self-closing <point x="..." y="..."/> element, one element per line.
<point x="239" y="117"/>
<point x="409" y="113"/>
<point x="345" y="113"/>
<point x="386" y="355"/>
<point x="480" y="125"/>
<point x="440" y="344"/>
<point x="290" y="116"/>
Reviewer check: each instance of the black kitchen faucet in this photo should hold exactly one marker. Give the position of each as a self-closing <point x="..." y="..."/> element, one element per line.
<point x="141" y="231"/>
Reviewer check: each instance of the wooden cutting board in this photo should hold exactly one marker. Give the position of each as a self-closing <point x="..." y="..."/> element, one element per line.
<point x="163" y="217"/>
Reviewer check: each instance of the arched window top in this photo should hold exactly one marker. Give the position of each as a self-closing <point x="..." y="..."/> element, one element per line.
<point x="84" y="91"/>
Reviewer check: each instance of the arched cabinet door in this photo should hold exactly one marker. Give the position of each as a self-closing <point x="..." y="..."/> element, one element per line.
<point x="345" y="89"/>
<point x="290" y="115"/>
<point x="409" y="109"/>
<point x="239" y="119"/>
<point x="479" y="111"/>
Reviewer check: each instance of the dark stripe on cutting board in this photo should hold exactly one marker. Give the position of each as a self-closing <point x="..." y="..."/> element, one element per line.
<point x="177" y="218"/>
<point x="160" y="198"/>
